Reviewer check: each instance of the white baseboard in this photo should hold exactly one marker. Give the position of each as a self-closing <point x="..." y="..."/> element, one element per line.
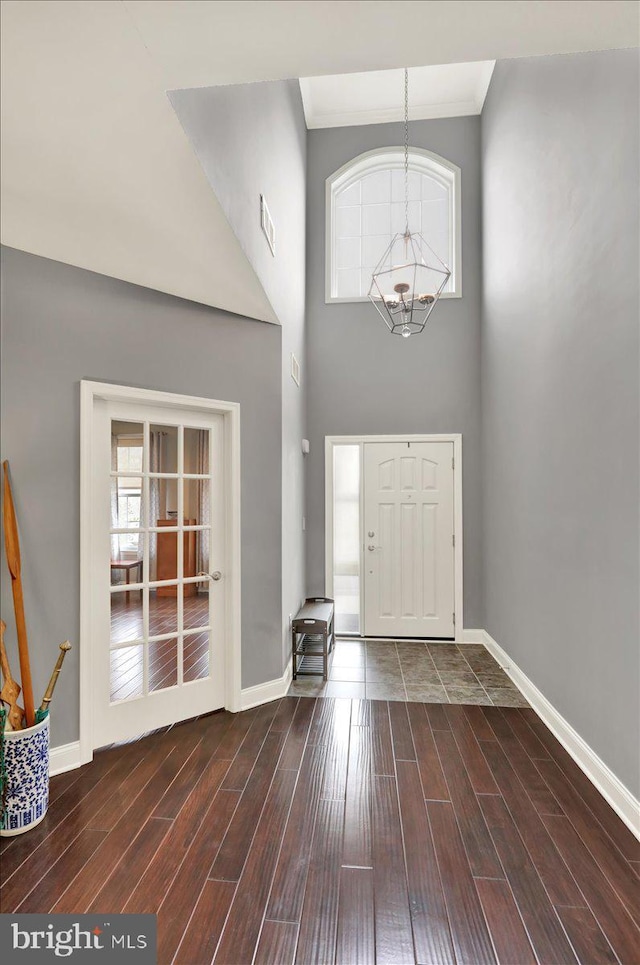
<point x="473" y="636"/>
<point x="602" y="777"/>
<point x="263" y="693"/>
<point x="68" y="756"/>
<point x="64" y="758"/>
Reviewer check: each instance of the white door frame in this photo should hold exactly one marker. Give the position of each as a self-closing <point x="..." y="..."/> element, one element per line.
<point x="329" y="443"/>
<point x="90" y="392"/>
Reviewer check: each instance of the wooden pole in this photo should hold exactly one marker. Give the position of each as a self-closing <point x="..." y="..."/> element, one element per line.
<point x="12" y="548"/>
<point x="10" y="691"/>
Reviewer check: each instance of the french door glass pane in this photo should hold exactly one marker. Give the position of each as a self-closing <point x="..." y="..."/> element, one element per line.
<point x="126" y="616"/>
<point x="163" y="610"/>
<point x="163" y="500"/>
<point x="196" y="605"/>
<point x="127" y="672"/>
<point x="163" y="664"/>
<point x="196" y="451"/>
<point x="127" y="446"/>
<point x="202" y="541"/>
<point x="346" y="538"/>
<point x="163" y="449"/>
<point x="128" y="502"/>
<point x="127" y="548"/>
<point x="196" y="502"/>
<point x="195" y="656"/>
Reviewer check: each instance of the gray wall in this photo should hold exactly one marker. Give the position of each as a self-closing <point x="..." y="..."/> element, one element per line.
<point x="364" y="380"/>
<point x="62" y="324"/>
<point x="251" y="139"/>
<point x="560" y="386"/>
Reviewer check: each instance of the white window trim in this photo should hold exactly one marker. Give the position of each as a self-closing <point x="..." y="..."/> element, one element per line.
<point x="458" y="552"/>
<point x="393" y="157"/>
<point x="89" y="393"/>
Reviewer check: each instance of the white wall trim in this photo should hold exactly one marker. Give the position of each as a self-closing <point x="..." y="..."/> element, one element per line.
<point x="456" y="439"/>
<point x="89" y="393"/>
<point x="450" y="90"/>
<point x="66" y="757"/>
<point x="270" y="690"/>
<point x="472" y="636"/>
<point x="392" y="115"/>
<point x="626" y="806"/>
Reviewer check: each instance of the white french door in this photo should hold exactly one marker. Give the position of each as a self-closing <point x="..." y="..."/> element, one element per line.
<point x="158" y="567"/>
<point x="408" y="538"/>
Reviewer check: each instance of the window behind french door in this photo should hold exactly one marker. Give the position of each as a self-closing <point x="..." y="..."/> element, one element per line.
<point x="159" y="588"/>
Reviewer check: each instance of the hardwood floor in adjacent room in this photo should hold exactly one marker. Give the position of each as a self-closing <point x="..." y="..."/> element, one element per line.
<point x="126" y="662"/>
<point x="338" y="830"/>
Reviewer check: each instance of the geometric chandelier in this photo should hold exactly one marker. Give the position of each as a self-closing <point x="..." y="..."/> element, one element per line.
<point x="409" y="278"/>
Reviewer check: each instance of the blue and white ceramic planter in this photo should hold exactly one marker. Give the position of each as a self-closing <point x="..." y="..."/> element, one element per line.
<point x="26" y="754"/>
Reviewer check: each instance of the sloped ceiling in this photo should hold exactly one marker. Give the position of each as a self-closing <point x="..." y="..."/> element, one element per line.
<point x="198" y="44"/>
<point x="96" y="169"/>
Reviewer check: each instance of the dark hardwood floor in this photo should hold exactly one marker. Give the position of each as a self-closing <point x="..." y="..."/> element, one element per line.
<point x="337" y="830"/>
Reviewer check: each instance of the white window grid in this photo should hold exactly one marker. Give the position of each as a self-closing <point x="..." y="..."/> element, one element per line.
<point x="359" y="228"/>
<point x="146" y="584"/>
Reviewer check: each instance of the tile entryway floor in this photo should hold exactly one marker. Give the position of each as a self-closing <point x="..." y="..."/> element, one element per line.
<point x="430" y="672"/>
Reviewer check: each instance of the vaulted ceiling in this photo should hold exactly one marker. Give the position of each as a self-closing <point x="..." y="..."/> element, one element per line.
<point x="96" y="169"/>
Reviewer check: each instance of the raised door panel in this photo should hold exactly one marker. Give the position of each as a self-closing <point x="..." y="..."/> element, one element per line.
<point x="428" y="547"/>
<point x="386" y="559"/>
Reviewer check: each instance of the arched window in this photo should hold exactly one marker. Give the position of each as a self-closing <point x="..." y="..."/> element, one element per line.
<point x="365" y="209"/>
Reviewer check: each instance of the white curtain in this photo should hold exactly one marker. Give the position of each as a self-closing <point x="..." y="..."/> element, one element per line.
<point x="156" y="462"/>
<point x="115" y="548"/>
<point x="204" y="514"/>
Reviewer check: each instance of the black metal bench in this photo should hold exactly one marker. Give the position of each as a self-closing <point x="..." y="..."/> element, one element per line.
<point x="312" y="637"/>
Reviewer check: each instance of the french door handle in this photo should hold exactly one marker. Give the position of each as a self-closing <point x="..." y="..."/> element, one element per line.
<point x="216" y="575"/>
<point x="371" y="547"/>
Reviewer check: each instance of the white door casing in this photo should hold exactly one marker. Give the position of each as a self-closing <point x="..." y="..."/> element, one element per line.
<point x="409" y="539"/>
<point x="102" y="719"/>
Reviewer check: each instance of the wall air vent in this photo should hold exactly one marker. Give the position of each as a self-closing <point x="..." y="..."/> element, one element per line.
<point x="267" y="225"/>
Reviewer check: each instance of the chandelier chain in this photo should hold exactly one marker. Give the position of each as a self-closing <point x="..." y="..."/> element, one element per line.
<point x="409" y="278"/>
<point x="406" y="150"/>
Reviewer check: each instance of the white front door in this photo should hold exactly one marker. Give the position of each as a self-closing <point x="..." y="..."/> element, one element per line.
<point x="408" y="539"/>
<point x="158" y="568"/>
